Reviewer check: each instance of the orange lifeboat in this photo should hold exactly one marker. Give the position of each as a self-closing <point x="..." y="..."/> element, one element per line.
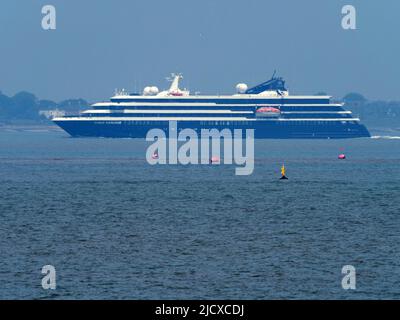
<point x="268" y="112"/>
<point x="176" y="94"/>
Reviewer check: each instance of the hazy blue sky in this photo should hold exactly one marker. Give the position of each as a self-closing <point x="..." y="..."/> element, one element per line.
<point x="103" y="44"/>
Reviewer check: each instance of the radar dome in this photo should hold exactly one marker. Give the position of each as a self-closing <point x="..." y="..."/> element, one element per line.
<point x="147" y="91"/>
<point x="153" y="90"/>
<point x="241" y="87"/>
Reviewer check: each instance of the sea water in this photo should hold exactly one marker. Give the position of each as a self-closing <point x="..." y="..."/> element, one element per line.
<point x="115" y="227"/>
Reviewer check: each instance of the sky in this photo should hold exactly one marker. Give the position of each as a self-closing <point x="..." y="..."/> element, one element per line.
<point x="101" y="45"/>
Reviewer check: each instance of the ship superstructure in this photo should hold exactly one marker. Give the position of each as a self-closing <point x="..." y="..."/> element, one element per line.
<point x="267" y="108"/>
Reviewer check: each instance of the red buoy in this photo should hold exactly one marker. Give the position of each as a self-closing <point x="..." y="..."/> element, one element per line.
<point x="342" y="156"/>
<point x="214" y="160"/>
<point x="155" y="155"/>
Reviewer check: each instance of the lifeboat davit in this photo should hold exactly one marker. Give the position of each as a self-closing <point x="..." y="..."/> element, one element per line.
<point x="268" y="112"/>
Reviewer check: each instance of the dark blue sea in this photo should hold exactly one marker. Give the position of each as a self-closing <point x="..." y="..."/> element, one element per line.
<point x="115" y="227"/>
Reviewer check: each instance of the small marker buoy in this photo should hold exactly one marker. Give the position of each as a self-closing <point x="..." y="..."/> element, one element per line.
<point x="214" y="160"/>
<point x="155" y="155"/>
<point x="342" y="156"/>
<point x="283" y="173"/>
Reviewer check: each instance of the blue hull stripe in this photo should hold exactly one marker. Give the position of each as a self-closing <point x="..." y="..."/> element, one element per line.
<point x="263" y="129"/>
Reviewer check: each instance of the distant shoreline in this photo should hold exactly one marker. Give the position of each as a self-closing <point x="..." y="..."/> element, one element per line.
<point x="30" y="126"/>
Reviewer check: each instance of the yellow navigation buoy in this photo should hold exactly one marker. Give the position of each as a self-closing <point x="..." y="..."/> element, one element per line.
<point x="283" y="173"/>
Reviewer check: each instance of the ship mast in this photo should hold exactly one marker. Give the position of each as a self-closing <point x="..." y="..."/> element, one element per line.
<point x="175" y="82"/>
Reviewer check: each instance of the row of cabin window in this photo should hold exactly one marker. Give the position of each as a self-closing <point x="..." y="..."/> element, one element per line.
<point x="298" y="122"/>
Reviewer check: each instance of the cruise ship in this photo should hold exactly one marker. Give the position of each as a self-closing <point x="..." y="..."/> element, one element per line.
<point x="267" y="108"/>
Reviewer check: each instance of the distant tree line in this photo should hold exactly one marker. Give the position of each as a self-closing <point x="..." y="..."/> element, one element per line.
<point x="373" y="113"/>
<point x="26" y="106"/>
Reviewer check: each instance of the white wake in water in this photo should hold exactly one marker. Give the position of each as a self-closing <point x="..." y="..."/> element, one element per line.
<point x="385" y="137"/>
